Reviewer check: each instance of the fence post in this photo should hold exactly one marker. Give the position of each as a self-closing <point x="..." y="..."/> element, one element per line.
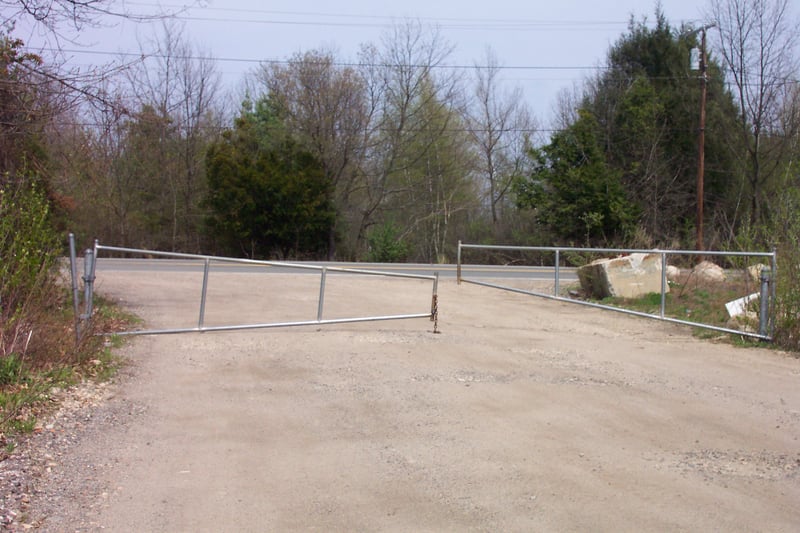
<point x="90" y="277"/>
<point x="663" y="283"/>
<point x="557" y="273"/>
<point x="458" y="264"/>
<point x="87" y="286"/>
<point x="435" y="303"/>
<point x="773" y="291"/>
<point x="321" y="302"/>
<point x="87" y="258"/>
<point x="203" y="294"/>
<point x="763" y="318"/>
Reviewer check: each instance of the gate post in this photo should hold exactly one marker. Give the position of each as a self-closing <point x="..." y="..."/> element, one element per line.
<point x="203" y="294"/>
<point x="763" y="317"/>
<point x="458" y="264"/>
<point x="557" y="273"/>
<point x="663" y="283"/>
<point x="321" y="303"/>
<point x="88" y="288"/>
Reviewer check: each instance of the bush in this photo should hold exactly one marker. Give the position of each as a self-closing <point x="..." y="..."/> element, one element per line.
<point x="386" y="245"/>
<point x="10" y="369"/>
<point x="787" y="303"/>
<point x="28" y="256"/>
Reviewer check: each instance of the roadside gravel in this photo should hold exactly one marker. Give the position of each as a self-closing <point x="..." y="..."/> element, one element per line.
<point x="520" y="415"/>
<point x="48" y="475"/>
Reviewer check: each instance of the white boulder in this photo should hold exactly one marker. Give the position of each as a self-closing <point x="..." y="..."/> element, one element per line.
<point x="754" y="271"/>
<point x="673" y="273"/>
<point x="707" y="271"/>
<point x="630" y="276"/>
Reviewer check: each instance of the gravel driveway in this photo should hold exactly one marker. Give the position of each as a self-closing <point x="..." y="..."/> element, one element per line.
<point x="522" y="415"/>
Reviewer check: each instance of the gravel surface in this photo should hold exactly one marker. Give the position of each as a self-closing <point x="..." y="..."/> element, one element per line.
<point x="522" y="415"/>
<point x="56" y="475"/>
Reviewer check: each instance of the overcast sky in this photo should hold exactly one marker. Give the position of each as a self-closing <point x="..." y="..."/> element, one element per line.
<point x="546" y="45"/>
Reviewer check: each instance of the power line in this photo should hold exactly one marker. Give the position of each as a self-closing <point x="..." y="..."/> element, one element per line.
<point x="179" y="126"/>
<point x="386" y="20"/>
<point x="346" y="64"/>
<point x="289" y="61"/>
<point x="508" y="26"/>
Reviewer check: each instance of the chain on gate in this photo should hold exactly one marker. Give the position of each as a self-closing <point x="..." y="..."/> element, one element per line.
<point x="435" y="313"/>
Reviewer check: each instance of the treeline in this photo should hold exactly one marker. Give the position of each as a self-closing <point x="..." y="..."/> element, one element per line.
<point x="395" y="156"/>
<point x="392" y="157"/>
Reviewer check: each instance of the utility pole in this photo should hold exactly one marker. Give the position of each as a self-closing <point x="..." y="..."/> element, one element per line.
<point x="701" y="138"/>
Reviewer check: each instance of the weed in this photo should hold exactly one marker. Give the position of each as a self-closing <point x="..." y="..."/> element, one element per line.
<point x="23" y="425"/>
<point x="24" y="386"/>
<point x="10" y="369"/>
<point x="63" y="376"/>
<point x="693" y="302"/>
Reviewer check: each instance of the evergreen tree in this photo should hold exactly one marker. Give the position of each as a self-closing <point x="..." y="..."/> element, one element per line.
<point x="573" y="190"/>
<point x="646" y="106"/>
<point x="653" y="129"/>
<point x="267" y="195"/>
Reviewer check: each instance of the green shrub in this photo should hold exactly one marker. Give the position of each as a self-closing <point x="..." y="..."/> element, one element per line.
<point x="787" y="303"/>
<point x="386" y="245"/>
<point x="10" y="369"/>
<point x="28" y="256"/>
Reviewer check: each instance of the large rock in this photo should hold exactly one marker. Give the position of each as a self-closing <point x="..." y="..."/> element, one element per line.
<point x="673" y="273"/>
<point x="631" y="276"/>
<point x="708" y="272"/>
<point x="754" y="271"/>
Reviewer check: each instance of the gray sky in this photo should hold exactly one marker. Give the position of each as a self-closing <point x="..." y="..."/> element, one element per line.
<point x="544" y="44"/>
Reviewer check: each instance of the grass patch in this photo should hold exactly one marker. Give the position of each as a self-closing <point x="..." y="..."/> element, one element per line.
<point x="10" y="369"/>
<point x="701" y="303"/>
<point x="55" y="361"/>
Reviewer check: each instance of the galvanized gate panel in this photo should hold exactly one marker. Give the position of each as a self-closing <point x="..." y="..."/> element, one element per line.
<point x="92" y="255"/>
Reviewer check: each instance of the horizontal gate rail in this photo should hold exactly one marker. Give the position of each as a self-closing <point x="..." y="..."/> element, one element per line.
<point x="93" y="254"/>
<point x="767" y="293"/>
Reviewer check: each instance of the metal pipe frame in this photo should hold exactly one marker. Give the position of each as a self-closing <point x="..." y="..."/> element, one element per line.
<point x="299" y="266"/>
<point x="208" y="259"/>
<point x="238" y="327"/>
<point x="765" y="336"/>
<point x="616" y="250"/>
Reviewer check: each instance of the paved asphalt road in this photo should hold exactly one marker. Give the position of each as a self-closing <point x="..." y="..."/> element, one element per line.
<point x="445" y="271"/>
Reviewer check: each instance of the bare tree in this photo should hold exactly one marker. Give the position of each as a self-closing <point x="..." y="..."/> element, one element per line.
<point x="758" y="40"/>
<point x="410" y="89"/>
<point x="438" y="188"/>
<point x="500" y="125"/>
<point x="60" y="18"/>
<point x="369" y="124"/>
<point x="323" y="103"/>
<point x="180" y="84"/>
<point x="90" y="150"/>
<point x="54" y="22"/>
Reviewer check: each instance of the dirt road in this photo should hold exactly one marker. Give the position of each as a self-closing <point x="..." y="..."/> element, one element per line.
<point x="521" y="415"/>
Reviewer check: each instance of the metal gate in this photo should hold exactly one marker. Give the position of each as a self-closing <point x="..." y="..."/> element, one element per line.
<point x="767" y="288"/>
<point x="83" y="310"/>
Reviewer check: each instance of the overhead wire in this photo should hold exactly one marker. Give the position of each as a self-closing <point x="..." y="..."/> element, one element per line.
<point x="185" y="12"/>
<point x="291" y="60"/>
<point x="385" y="20"/>
<point x="350" y="64"/>
<point x="494" y="24"/>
